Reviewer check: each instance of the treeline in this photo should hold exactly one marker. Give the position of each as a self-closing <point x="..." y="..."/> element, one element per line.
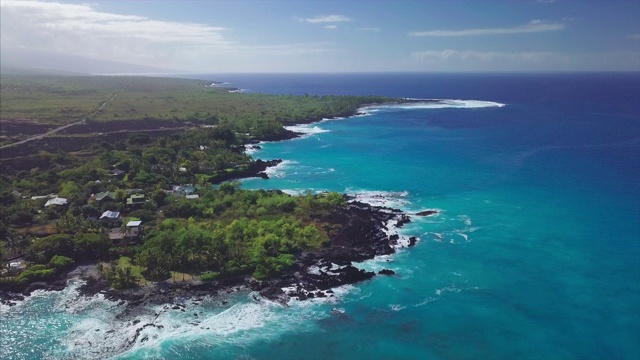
<point x="231" y="231"/>
<point x="226" y="232"/>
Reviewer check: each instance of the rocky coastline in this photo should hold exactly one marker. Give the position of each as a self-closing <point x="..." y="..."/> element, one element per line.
<point x="365" y="232"/>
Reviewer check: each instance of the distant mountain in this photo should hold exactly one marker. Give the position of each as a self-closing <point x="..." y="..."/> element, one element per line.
<point x="13" y="60"/>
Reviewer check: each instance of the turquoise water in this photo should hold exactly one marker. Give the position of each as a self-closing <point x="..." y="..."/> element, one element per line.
<point x="533" y="256"/>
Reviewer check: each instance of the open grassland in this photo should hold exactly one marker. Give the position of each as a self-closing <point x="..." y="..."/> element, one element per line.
<point x="54" y="99"/>
<point x="64" y="99"/>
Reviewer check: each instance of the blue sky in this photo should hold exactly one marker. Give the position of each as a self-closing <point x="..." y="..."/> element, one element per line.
<point x="335" y="36"/>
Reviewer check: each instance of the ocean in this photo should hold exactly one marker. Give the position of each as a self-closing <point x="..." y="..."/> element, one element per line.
<point x="533" y="255"/>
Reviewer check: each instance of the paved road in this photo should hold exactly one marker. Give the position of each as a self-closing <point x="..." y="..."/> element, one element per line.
<point x="81" y="121"/>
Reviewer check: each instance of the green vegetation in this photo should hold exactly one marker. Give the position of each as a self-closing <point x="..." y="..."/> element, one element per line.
<point x="59" y="99"/>
<point x="236" y="232"/>
<point x="225" y="232"/>
<point x="55" y="99"/>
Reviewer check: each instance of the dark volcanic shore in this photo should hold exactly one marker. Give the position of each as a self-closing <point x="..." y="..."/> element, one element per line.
<point x="363" y="235"/>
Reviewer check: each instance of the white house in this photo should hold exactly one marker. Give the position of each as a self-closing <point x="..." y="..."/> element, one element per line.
<point x="56" y="201"/>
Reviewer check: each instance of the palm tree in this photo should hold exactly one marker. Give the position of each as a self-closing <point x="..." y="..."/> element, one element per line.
<point x="17" y="243"/>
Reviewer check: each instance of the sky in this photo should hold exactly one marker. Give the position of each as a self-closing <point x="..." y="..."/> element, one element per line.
<point x="333" y="36"/>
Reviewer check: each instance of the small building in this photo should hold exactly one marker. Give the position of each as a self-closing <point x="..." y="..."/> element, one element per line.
<point x="136" y="199"/>
<point x="111" y="215"/>
<point x="117" y="173"/>
<point x="128" y="235"/>
<point x="186" y="189"/>
<point x="58" y="201"/>
<point x="134" y="223"/>
<point x="111" y="218"/>
<point x="131" y="234"/>
<point x="106" y="196"/>
<point x="192" y="196"/>
<point x="182" y="169"/>
<point x="39" y="197"/>
<point x="16" y="193"/>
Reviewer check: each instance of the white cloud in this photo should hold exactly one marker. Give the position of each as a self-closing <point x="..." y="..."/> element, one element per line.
<point x="370" y="29"/>
<point x="533" y="26"/>
<point x="84" y="30"/>
<point x="432" y="55"/>
<point x="634" y="36"/>
<point x="331" y="27"/>
<point x="326" y="19"/>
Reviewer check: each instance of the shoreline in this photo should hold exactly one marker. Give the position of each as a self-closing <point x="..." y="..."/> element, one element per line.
<point x="297" y="280"/>
<point x="367" y="231"/>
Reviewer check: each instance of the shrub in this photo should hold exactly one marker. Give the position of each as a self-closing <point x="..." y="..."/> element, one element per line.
<point x="43" y="249"/>
<point x="60" y="262"/>
<point x="209" y="276"/>
<point x="36" y="273"/>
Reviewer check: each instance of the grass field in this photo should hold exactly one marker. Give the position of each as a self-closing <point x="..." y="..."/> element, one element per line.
<point x="54" y="99"/>
<point x="64" y="99"/>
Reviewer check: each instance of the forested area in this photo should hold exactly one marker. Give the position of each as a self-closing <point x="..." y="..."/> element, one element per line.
<point x="168" y="184"/>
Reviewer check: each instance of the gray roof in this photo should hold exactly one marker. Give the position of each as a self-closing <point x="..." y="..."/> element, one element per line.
<point x="110" y="214"/>
<point x="56" y="201"/>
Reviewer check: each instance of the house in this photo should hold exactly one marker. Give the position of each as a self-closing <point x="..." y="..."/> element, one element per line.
<point x="136" y="199"/>
<point x="16" y="193"/>
<point x="186" y="189"/>
<point x="56" y="201"/>
<point x="130" y="234"/>
<point x="111" y="215"/>
<point x="134" y="223"/>
<point x="111" y="218"/>
<point x="117" y="173"/>
<point x="50" y="196"/>
<point x="14" y="266"/>
<point x="106" y="196"/>
<point x="192" y="196"/>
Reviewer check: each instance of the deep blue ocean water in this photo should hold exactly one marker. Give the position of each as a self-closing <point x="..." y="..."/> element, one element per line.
<point x="534" y="254"/>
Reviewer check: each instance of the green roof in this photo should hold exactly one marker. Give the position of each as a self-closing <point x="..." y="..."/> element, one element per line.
<point x="108" y="194"/>
<point x="135" y="199"/>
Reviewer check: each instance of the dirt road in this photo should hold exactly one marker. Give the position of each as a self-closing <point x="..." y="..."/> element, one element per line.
<point x="81" y="121"/>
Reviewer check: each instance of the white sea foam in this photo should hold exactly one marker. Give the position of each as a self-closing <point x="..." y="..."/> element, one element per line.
<point x="250" y="149"/>
<point x="293" y="192"/>
<point x="466" y="219"/>
<point x="392" y="199"/>
<point x="433" y="104"/>
<point x="306" y="129"/>
<point x="451" y="288"/>
<point x="240" y="323"/>
<point x="452" y="103"/>
<point x="332" y="119"/>
<point x="426" y="301"/>
<point x="279" y="171"/>
<point x="396" y="307"/>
